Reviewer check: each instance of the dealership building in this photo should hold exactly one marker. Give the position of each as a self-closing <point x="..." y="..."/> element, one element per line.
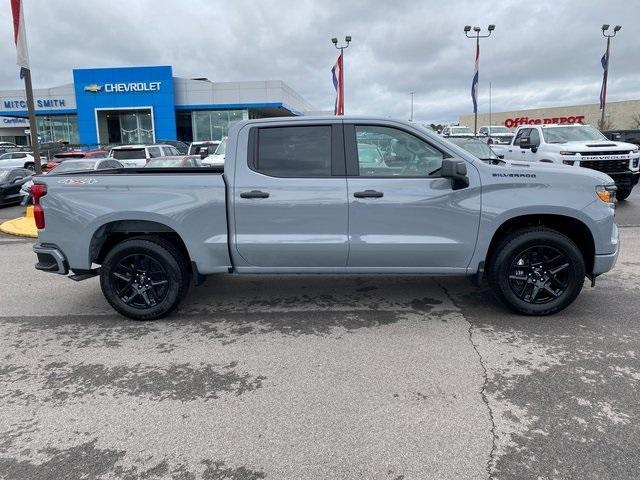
<point x="618" y="115"/>
<point x="142" y="105"/>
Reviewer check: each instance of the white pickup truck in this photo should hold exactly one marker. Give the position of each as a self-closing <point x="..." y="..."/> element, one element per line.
<point x="577" y="146"/>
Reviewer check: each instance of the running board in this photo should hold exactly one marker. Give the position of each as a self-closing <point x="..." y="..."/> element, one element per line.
<point x="79" y="275"/>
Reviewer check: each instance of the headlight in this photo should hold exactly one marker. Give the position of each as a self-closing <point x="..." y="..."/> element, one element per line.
<point x="564" y="152"/>
<point x="607" y="193"/>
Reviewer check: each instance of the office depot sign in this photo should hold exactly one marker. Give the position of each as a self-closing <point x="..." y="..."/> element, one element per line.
<point x="515" y="122"/>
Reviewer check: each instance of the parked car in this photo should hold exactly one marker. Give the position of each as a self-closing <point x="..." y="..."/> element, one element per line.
<point x="179" y="161"/>
<point x="496" y="134"/>
<point x="576" y="145"/>
<point x="180" y="146"/>
<point x="204" y="149"/>
<point x="218" y="156"/>
<point x="629" y="136"/>
<point x="289" y="202"/>
<point x="86" y="164"/>
<point x="137" y="156"/>
<point x="477" y="148"/>
<point x="457" y="131"/>
<point x="20" y="160"/>
<point x="11" y="181"/>
<point x="58" y="158"/>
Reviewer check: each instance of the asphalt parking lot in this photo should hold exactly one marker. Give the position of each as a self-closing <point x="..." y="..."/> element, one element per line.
<point x="319" y="377"/>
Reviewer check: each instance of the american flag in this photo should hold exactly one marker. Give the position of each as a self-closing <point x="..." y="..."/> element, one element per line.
<point x="474" y="83"/>
<point x="19" y="34"/>
<point x="338" y="84"/>
<point x="605" y="66"/>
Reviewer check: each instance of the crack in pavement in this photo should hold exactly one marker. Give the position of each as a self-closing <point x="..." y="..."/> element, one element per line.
<point x="485" y="380"/>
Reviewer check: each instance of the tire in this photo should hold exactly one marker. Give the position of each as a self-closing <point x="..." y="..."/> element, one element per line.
<point x="144" y="278"/>
<point x="623" y="193"/>
<point x="537" y="271"/>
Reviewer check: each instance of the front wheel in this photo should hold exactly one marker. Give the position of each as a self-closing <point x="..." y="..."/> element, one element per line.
<point x="623" y="193"/>
<point x="144" y="279"/>
<point x="537" y="271"/>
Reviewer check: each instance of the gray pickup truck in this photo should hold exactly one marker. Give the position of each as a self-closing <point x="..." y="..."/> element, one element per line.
<point x="330" y="195"/>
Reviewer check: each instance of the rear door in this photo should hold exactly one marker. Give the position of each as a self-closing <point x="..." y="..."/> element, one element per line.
<point x="402" y="215"/>
<point x="290" y="198"/>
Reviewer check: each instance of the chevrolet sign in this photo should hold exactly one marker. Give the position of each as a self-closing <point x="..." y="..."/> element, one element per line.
<point x="93" y="88"/>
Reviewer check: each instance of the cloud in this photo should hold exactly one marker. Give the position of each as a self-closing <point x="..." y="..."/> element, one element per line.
<point x="541" y="54"/>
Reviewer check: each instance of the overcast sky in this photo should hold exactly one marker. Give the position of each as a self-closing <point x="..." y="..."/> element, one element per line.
<point x="542" y="53"/>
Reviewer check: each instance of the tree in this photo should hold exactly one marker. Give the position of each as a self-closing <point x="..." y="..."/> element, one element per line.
<point x="606" y="125"/>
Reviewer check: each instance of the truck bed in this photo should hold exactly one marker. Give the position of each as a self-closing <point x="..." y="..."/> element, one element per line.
<point x="82" y="207"/>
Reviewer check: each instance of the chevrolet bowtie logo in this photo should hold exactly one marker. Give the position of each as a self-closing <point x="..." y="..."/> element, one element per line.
<point x="93" y="88"/>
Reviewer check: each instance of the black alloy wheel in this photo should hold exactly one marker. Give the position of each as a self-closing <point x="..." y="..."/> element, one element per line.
<point x="539" y="274"/>
<point x="145" y="278"/>
<point x="140" y="281"/>
<point x="536" y="270"/>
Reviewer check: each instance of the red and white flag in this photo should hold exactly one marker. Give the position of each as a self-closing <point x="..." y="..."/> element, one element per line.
<point x="19" y="34"/>
<point x="338" y="83"/>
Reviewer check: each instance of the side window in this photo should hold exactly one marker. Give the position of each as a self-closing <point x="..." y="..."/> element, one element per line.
<point x="19" y="155"/>
<point x="294" y="151"/>
<point x="389" y="152"/>
<point x="519" y="135"/>
<point x="154" y="152"/>
<point x="534" y="137"/>
<point x="445" y="131"/>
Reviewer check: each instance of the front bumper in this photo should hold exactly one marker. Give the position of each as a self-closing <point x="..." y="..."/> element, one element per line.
<point x="625" y="179"/>
<point x="606" y="262"/>
<point x="50" y="259"/>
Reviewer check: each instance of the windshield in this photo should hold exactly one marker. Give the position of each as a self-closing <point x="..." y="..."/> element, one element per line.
<point x="480" y="150"/>
<point x="500" y="130"/>
<point x="197" y="149"/>
<point x="128" y="154"/>
<point x="222" y="147"/>
<point x="461" y="130"/>
<point x="571" y="133"/>
<point x="71" y="166"/>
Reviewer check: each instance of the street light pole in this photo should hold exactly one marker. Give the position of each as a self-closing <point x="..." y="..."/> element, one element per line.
<point x="342" y="48"/>
<point x="605" y="65"/>
<point x="476" y="34"/>
<point x="412" y="94"/>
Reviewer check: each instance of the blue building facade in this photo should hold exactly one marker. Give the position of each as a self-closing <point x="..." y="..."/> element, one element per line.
<point x="146" y="104"/>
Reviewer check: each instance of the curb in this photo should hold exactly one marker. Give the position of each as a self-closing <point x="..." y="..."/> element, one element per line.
<point x="21" y="227"/>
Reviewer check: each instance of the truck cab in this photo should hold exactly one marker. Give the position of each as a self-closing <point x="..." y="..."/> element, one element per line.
<point x="576" y="145"/>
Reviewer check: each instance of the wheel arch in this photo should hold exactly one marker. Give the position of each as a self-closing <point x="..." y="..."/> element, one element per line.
<point x="573" y="228"/>
<point x="112" y="233"/>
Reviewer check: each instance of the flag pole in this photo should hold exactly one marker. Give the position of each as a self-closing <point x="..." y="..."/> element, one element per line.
<point x="604" y="86"/>
<point x="33" y="126"/>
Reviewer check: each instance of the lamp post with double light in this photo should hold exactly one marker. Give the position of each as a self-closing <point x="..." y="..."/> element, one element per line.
<point x="477" y="36"/>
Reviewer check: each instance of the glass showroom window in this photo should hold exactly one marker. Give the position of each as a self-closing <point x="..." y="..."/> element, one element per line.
<point x="58" y="128"/>
<point x="214" y="124"/>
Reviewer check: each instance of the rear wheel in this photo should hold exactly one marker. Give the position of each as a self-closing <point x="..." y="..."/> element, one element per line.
<point x="623" y="193"/>
<point x="144" y="279"/>
<point x="537" y="271"/>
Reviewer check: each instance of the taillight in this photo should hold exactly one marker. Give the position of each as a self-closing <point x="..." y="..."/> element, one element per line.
<point x="38" y="190"/>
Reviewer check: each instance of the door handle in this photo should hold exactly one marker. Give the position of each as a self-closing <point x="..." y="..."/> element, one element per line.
<point x="254" y="194"/>
<point x="368" y="194"/>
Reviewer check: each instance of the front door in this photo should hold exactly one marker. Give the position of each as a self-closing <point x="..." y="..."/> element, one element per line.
<point x="290" y="200"/>
<point x="402" y="215"/>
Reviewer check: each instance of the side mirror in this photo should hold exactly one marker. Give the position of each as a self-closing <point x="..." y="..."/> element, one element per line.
<point x="456" y="170"/>
<point x="501" y="156"/>
<point x="525" y="142"/>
